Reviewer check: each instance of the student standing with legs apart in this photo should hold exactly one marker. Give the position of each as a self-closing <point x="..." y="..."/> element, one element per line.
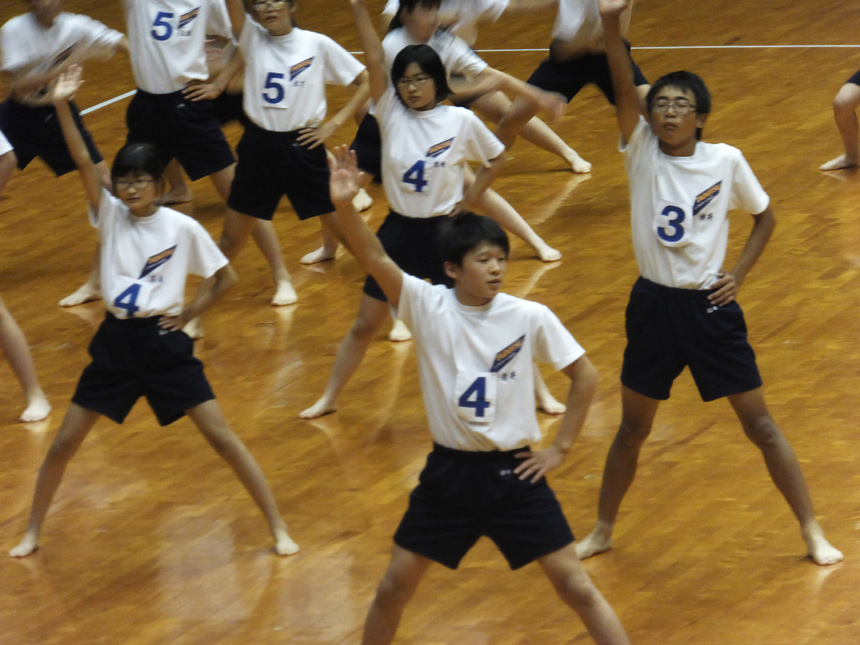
<point x="476" y="348"/>
<point x="140" y="349"/>
<point x="12" y="341"/>
<point x="681" y="190"/>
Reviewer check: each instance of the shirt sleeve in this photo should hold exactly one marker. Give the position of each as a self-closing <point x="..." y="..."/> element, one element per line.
<point x="419" y="302"/>
<point x="481" y="144"/>
<point x="554" y="344"/>
<point x="100" y="41"/>
<point x="12" y="56"/>
<point x="341" y="67"/>
<point x="463" y="59"/>
<point x="747" y="193"/>
<point x="204" y="256"/>
<point x="635" y="150"/>
<point x="218" y="20"/>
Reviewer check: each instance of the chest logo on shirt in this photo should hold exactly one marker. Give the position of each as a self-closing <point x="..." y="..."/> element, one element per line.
<point x="187" y="18"/>
<point x="508" y="354"/>
<point x="439" y="148"/>
<point x="706" y="197"/>
<point x="63" y="56"/>
<point x="156" y="261"/>
<point x="298" y="68"/>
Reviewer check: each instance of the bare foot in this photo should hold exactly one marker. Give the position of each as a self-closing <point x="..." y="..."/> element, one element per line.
<point x="820" y="550"/>
<point x="594" y="543"/>
<point x="285" y="295"/>
<point x="284" y="544"/>
<point x="550" y="405"/>
<point x="578" y="165"/>
<point x="25" y="547"/>
<point x="319" y="409"/>
<point x="546" y="253"/>
<point x="37" y="409"/>
<point x="399" y="332"/>
<point x="87" y="293"/>
<point x="176" y="196"/>
<point x="194" y="329"/>
<point x="322" y="254"/>
<point x="362" y="201"/>
<point x="840" y="162"/>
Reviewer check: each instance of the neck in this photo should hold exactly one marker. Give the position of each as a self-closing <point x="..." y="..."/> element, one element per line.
<point x="686" y="149"/>
<point x="471" y="300"/>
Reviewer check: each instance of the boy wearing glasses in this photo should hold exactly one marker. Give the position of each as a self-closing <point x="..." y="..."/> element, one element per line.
<point x="683" y="310"/>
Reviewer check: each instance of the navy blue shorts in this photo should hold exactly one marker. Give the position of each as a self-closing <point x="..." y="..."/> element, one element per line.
<point x="411" y="243"/>
<point x="274" y="164"/>
<point x="228" y="107"/>
<point x="182" y="129"/>
<point x="368" y="147"/>
<point x="855" y="79"/>
<point x="134" y="358"/>
<point x="462" y="496"/>
<point x="36" y="132"/>
<point x="567" y="77"/>
<point x="669" y="329"/>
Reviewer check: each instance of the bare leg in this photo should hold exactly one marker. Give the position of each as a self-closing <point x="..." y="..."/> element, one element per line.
<point x="211" y="422"/>
<point x="545" y="400"/>
<point x="844" y="112"/>
<point x="637" y="417"/>
<point x="75" y="427"/>
<point x="17" y="352"/>
<point x="576" y="589"/>
<point x="496" y="207"/>
<point x="178" y="191"/>
<point x="514" y="120"/>
<point x="267" y="241"/>
<point x="535" y="131"/>
<point x="396" y="588"/>
<point x="782" y="465"/>
<point x="330" y="235"/>
<point x="372" y="313"/>
<point x="92" y="288"/>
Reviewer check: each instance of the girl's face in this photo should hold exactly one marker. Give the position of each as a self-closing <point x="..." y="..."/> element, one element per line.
<point x="46" y="11"/>
<point x="421" y="23"/>
<point x="275" y="15"/>
<point x="416" y="88"/>
<point x="139" y="192"/>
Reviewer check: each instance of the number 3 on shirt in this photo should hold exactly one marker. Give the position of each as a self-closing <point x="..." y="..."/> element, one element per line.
<point x="128" y="300"/>
<point x="415" y="176"/>
<point x="672" y="227"/>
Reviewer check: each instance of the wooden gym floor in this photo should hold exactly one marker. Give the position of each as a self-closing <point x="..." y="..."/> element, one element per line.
<point x="152" y="540"/>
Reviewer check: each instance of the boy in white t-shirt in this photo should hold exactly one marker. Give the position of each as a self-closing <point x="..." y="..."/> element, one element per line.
<point x="475" y="357"/>
<point x="683" y="310"/>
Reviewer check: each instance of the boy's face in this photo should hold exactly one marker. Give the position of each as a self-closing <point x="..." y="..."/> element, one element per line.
<point x="46" y="11"/>
<point x="480" y="277"/>
<point x="674" y="119"/>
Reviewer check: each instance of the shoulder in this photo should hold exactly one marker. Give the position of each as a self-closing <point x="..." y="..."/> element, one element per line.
<point x="17" y="24"/>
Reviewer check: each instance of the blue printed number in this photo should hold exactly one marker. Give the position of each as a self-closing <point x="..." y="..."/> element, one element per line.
<point x="673" y="231"/>
<point x="161" y="22"/>
<point x="277" y="89"/>
<point x="478" y="388"/>
<point x="127" y="300"/>
<point x="415" y="176"/>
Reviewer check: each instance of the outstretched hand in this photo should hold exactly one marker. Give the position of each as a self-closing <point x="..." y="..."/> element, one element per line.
<point x="613" y="7"/>
<point x="344" y="175"/>
<point x="67" y="84"/>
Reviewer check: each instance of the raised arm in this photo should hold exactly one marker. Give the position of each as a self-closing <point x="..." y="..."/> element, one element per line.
<point x="583" y="384"/>
<point x="365" y="246"/>
<point x="483" y="178"/>
<point x="236" y="11"/>
<point x="621" y="67"/>
<point x="725" y="289"/>
<point x="373" y="53"/>
<point x="63" y="92"/>
<point x="550" y="103"/>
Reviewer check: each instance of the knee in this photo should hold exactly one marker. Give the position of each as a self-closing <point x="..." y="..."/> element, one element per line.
<point x="393" y="592"/>
<point x="577" y="590"/>
<point x="845" y="103"/>
<point x="364" y="328"/>
<point x="632" y="433"/>
<point x="762" y="431"/>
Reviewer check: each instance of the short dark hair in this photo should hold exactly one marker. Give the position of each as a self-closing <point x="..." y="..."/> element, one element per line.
<point x="138" y="158"/>
<point x="465" y="231"/>
<point x="428" y="61"/>
<point x="683" y="80"/>
<point x="410" y="5"/>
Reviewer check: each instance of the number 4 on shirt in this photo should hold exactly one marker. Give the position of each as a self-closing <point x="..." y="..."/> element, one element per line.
<point x="128" y="300"/>
<point x="415" y="176"/>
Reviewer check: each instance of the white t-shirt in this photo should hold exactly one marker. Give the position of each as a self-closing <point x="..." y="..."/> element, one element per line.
<point x="579" y="22"/>
<point x="424" y="153"/>
<point x="285" y="76"/>
<point x="30" y="49"/>
<point x="167" y="40"/>
<point x="679" y="207"/>
<point x="145" y="260"/>
<point x="5" y="146"/>
<point x="456" y="55"/>
<point x="461" y="16"/>
<point x="476" y="364"/>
